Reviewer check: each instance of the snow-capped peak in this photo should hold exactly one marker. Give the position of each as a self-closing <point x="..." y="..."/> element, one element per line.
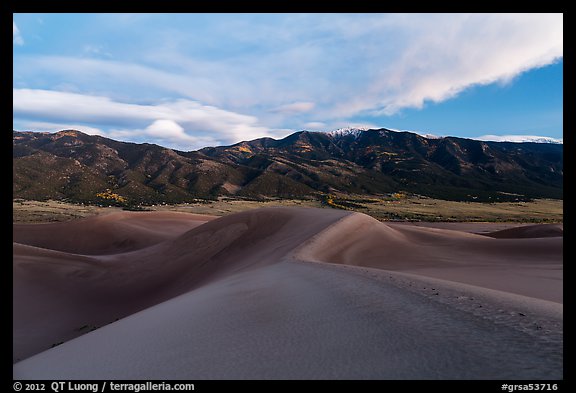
<point x="357" y="131"/>
<point x="520" y="138"/>
<point x="431" y="136"/>
<point x="342" y="132"/>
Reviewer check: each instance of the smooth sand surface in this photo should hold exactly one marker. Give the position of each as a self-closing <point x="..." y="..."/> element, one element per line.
<point x="472" y="227"/>
<point x="283" y="293"/>
<point x="529" y="232"/>
<point x="109" y="233"/>
<point x="526" y="266"/>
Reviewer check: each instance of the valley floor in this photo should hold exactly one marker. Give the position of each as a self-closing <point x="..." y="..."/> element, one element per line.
<point x="397" y="208"/>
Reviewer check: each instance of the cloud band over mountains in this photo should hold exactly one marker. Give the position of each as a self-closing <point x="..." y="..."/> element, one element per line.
<point x="278" y="73"/>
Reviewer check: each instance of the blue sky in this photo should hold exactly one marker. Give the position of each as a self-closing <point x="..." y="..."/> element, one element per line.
<point x="192" y="80"/>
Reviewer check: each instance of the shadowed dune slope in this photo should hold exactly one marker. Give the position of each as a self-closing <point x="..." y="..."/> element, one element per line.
<point x="529" y="232"/>
<point x="108" y="234"/>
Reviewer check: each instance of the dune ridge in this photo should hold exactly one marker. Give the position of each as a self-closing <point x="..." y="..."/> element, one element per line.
<point x="525" y="266"/>
<point x="69" y="280"/>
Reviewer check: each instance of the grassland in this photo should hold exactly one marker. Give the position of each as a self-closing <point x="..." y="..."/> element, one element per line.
<point x="391" y="207"/>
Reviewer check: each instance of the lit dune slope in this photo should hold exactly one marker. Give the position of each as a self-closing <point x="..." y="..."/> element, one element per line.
<point x="525" y="265"/>
<point x="251" y="296"/>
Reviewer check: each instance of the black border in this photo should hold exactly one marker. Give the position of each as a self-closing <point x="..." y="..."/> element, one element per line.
<point x="172" y="6"/>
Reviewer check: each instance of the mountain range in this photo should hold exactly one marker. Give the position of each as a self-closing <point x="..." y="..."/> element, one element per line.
<point x="71" y="165"/>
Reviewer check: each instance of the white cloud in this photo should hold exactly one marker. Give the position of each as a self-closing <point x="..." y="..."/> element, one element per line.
<point x="164" y="136"/>
<point x="16" y="36"/>
<point x="294" y="108"/>
<point x="168" y="129"/>
<point x="180" y="120"/>
<point x="352" y="64"/>
<point x="446" y="54"/>
<point x="168" y="133"/>
<point x="288" y="70"/>
<point x="315" y="126"/>
<point x="55" y="127"/>
<point x="95" y="50"/>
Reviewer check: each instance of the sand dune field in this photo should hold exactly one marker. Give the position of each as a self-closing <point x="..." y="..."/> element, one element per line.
<point x="285" y="293"/>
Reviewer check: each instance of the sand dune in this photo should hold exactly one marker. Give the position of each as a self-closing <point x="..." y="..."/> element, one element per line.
<point x="530" y="267"/>
<point x="64" y="295"/>
<point x="108" y="234"/>
<point x="185" y="296"/>
<point x="471" y="227"/>
<point x="529" y="232"/>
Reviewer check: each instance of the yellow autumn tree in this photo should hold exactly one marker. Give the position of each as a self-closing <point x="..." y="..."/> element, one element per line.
<point x="108" y="195"/>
